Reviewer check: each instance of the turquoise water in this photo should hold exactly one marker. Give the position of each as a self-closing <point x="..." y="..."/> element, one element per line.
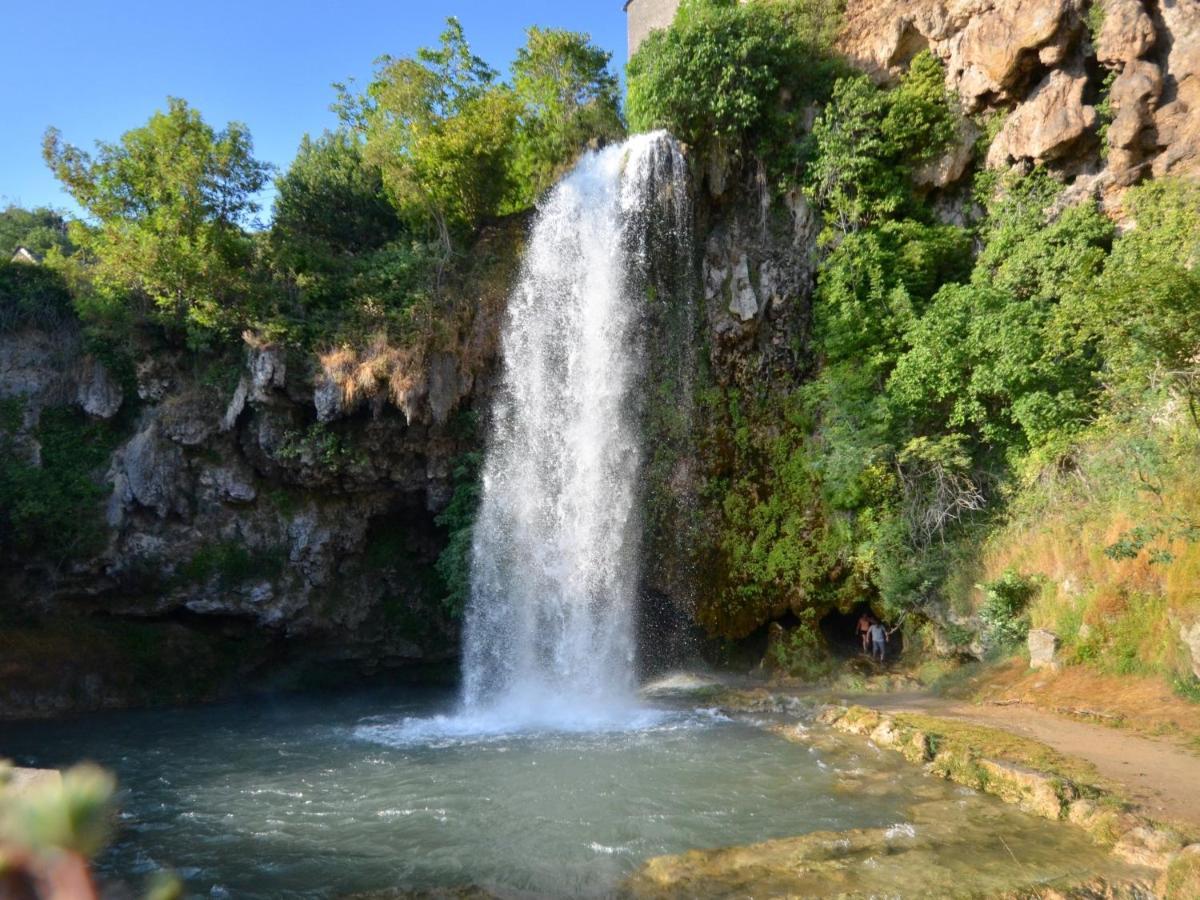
<point x="330" y="795"/>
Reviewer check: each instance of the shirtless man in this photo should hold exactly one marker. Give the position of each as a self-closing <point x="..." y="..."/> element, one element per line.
<point x="863" y="629"/>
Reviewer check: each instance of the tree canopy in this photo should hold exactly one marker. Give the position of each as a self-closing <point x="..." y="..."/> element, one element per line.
<point x="167" y="205"/>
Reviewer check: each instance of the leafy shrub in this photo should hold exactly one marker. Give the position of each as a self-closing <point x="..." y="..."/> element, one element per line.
<point x="801" y="651"/>
<point x="1003" y="614"/>
<point x="317" y="445"/>
<point x="55" y="506"/>
<point x="458" y="518"/>
<point x="868" y="141"/>
<point x="732" y="80"/>
<point x="33" y="296"/>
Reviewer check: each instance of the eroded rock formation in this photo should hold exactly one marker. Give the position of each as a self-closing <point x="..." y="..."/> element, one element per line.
<point x="1109" y="90"/>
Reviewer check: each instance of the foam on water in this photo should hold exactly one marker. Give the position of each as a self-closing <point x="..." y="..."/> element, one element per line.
<point x="500" y="724"/>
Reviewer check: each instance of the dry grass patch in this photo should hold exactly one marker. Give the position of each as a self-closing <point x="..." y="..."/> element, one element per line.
<point x="1144" y="704"/>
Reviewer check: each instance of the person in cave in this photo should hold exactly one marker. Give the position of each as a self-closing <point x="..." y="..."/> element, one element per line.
<point x="863" y="629"/>
<point x="879" y="638"/>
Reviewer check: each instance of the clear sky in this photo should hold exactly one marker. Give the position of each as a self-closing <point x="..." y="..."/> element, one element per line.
<point x="95" y="70"/>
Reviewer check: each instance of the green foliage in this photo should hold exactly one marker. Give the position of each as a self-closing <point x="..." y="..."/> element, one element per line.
<point x="441" y="132"/>
<point x="33" y="296"/>
<point x="458" y="518"/>
<point x="232" y="563"/>
<point x="330" y="206"/>
<point x="39" y="230"/>
<point x="55" y="506"/>
<point x="167" y="205"/>
<point x="1187" y="687"/>
<point x="777" y="546"/>
<point x="1003" y="613"/>
<point x="868" y="141"/>
<point x="732" y="80"/>
<point x="801" y="652"/>
<point x="568" y="97"/>
<point x="1130" y="544"/>
<point x="1002" y="357"/>
<point x="1145" y="316"/>
<point x="876" y="284"/>
<point x="318" y="446"/>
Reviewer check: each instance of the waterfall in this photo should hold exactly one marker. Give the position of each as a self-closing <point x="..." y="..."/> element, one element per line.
<point x="549" y="626"/>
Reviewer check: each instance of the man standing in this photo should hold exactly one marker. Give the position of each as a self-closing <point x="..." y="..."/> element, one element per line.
<point x="879" y="638"/>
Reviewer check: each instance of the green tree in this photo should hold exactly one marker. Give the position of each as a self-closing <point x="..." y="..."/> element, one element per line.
<point x="1146" y="313"/>
<point x="998" y="357"/>
<point x="40" y="230"/>
<point x="330" y="205"/>
<point x="732" y="80"/>
<point x="167" y="205"/>
<point x="33" y="296"/>
<point x="568" y="97"/>
<point x="441" y="132"/>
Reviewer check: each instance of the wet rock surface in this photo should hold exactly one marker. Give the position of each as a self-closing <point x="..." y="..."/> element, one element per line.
<point x="941" y="848"/>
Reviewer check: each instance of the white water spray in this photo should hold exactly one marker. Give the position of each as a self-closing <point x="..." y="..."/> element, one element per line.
<point x="549" y="627"/>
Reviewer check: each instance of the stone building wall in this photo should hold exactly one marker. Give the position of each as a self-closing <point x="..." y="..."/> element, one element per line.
<point x="644" y="16"/>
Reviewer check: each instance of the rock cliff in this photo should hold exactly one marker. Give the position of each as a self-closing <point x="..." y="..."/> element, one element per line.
<point x="1107" y="91"/>
<point x="257" y="509"/>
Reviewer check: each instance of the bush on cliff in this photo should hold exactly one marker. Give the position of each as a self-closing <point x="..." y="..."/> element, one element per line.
<point x="733" y="80"/>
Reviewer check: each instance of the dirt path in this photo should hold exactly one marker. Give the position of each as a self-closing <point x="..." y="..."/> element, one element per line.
<point x="1161" y="780"/>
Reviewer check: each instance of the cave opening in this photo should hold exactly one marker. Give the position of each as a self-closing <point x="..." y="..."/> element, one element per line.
<point x="839" y="629"/>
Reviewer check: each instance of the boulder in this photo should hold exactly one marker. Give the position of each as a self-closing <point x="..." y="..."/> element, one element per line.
<point x="1043" y="649"/>
<point x="328" y="399"/>
<point x="237" y="403"/>
<point x="951" y="165"/>
<point x="1031" y="790"/>
<point x="1127" y="33"/>
<point x="1133" y="94"/>
<point x="999" y="46"/>
<point x="97" y="392"/>
<point x="1177" y="122"/>
<point x="268" y="369"/>
<point x="233" y="483"/>
<point x="743" y="302"/>
<point x="1153" y="848"/>
<point x="149" y="472"/>
<point x="1047" y="124"/>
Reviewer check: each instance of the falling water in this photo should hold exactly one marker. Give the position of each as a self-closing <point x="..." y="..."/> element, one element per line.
<point x="549" y="629"/>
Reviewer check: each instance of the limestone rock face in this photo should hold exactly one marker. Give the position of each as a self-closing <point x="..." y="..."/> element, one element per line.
<point x="1036" y="63"/>
<point x="98" y="393"/>
<point x="1127" y="33"/>
<point x="1177" y="121"/>
<point x="246" y="493"/>
<point x="149" y="472"/>
<point x="268" y="369"/>
<point x="999" y="47"/>
<point x="1047" y="125"/>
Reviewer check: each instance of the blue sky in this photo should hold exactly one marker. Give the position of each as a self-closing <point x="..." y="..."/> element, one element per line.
<point x="95" y="70"/>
